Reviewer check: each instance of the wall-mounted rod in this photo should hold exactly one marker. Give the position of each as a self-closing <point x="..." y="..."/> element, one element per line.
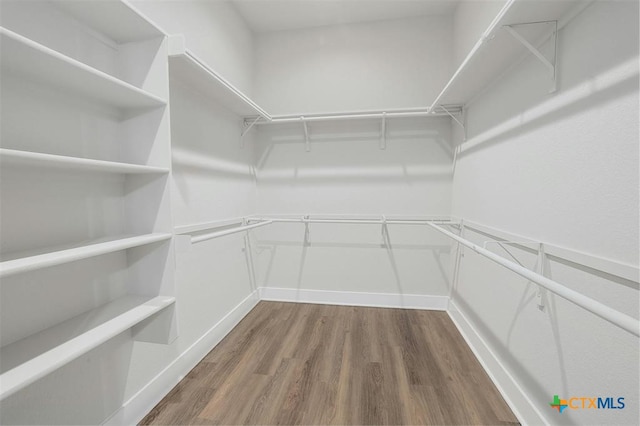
<point x="605" y="312"/>
<point x="212" y="235"/>
<point x="355" y="221"/>
<point x="351" y="115"/>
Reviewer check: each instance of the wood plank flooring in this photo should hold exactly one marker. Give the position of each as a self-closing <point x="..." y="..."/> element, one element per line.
<point x="290" y="363"/>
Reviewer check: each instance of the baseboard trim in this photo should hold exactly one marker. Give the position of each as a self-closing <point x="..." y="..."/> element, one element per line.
<point x="521" y="405"/>
<point x="134" y="409"/>
<point x="351" y="298"/>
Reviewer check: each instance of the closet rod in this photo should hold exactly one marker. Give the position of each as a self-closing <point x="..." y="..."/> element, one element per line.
<point x="212" y="235"/>
<point x="349" y="115"/>
<point x="605" y="312"/>
<point x="357" y="221"/>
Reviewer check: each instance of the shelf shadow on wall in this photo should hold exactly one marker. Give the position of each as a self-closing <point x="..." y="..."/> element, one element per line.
<point x="585" y="96"/>
<point x="400" y="172"/>
<point x="272" y="247"/>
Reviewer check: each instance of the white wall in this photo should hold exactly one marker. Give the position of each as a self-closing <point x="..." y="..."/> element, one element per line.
<point x="213" y="30"/>
<point x="347" y="173"/>
<point x="353" y="67"/>
<point x="561" y="169"/>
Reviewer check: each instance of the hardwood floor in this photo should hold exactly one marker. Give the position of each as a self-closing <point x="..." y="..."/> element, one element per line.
<point x="289" y="363"/>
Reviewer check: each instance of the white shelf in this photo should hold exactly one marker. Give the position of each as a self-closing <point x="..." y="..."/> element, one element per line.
<point x="24" y="262"/>
<point x="116" y="19"/>
<point x="185" y="67"/>
<point x="50" y="349"/>
<point x="25" y="58"/>
<point x="13" y="157"/>
<point x="497" y="50"/>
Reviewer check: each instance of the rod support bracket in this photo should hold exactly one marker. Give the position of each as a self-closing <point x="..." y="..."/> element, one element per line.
<point x="307" y="145"/>
<point x="305" y="220"/>
<point x="383" y="131"/>
<point x="245" y="130"/>
<point x="541" y="295"/>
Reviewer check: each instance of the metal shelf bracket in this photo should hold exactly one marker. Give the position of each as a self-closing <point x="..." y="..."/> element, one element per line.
<point x="383" y="131"/>
<point x="307" y="145"/>
<point x="551" y="65"/>
<point x="247" y="127"/>
<point x="460" y="123"/>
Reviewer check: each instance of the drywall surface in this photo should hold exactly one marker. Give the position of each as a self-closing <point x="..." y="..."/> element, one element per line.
<point x="559" y="168"/>
<point x="353" y="67"/>
<point x="214" y="32"/>
<point x="470" y="20"/>
<point x="212" y="179"/>
<point x="346" y="173"/>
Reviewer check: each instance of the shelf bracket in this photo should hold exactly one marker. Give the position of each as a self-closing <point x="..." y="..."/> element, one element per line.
<point x="541" y="293"/>
<point x="460" y="123"/>
<point x="385" y="232"/>
<point x="305" y="220"/>
<point x="550" y="65"/>
<point x="246" y="129"/>
<point x="539" y="266"/>
<point x="383" y="131"/>
<point x="307" y="145"/>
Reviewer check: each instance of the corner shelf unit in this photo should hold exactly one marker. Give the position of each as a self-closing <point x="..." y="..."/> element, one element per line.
<point x="45" y="353"/>
<point x="187" y="68"/>
<point x="25" y="262"/>
<point x="25" y="58"/>
<point x="496" y="50"/>
<point x="18" y="158"/>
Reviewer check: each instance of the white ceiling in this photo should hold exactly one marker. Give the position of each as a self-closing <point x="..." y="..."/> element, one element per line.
<point x="278" y="15"/>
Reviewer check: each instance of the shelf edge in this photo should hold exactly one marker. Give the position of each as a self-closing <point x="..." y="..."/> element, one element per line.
<point x="54" y="258"/>
<point x="36" y="368"/>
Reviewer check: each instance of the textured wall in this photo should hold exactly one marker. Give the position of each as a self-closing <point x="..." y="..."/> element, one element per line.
<point x="353" y="67"/>
<point x="562" y="169"/>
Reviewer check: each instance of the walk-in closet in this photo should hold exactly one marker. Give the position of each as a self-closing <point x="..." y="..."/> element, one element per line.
<point x="380" y="212"/>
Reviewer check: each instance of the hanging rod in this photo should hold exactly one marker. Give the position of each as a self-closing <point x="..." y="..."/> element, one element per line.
<point x="212" y="235"/>
<point x="350" y="115"/>
<point x="605" y="312"/>
<point x="354" y="221"/>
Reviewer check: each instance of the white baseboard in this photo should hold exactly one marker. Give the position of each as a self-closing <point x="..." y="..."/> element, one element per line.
<point x="523" y="408"/>
<point x="133" y="410"/>
<point x="350" y="298"/>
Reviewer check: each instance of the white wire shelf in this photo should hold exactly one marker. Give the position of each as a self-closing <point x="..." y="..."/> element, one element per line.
<point x="187" y="68"/>
<point x="13" y="157"/>
<point x="54" y="347"/>
<point x="25" y="58"/>
<point x="496" y="50"/>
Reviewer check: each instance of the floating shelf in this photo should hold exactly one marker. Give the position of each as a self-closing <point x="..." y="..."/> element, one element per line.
<point x="185" y="67"/>
<point x="52" y="348"/>
<point x="497" y="50"/>
<point x="28" y="59"/>
<point x="13" y="157"/>
<point x="116" y="19"/>
<point x="25" y="262"/>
